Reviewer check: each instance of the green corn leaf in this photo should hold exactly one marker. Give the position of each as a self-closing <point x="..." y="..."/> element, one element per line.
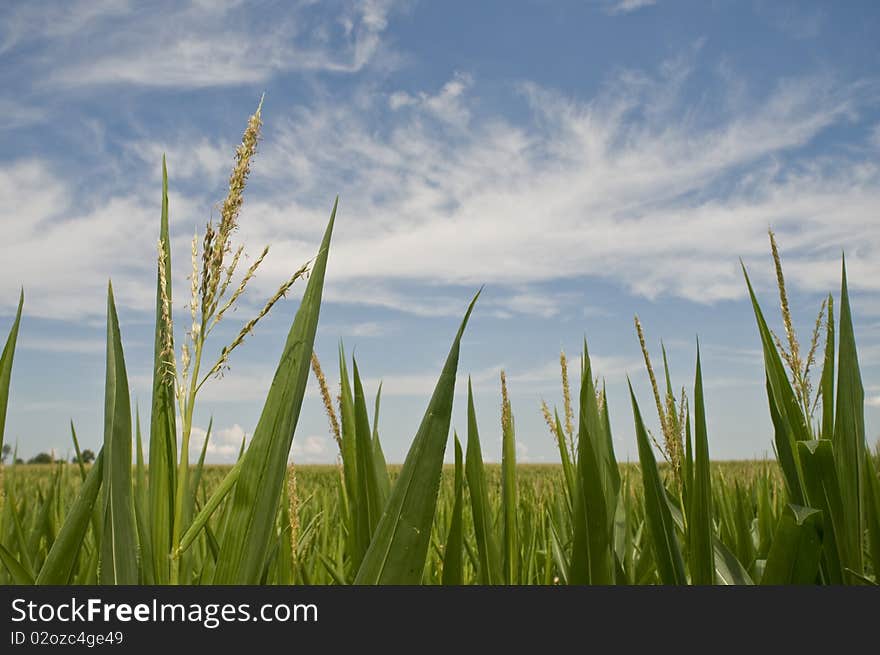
<point x="872" y="513"/>
<point x="141" y="507"/>
<point x="623" y="537"/>
<point x="599" y="428"/>
<point x="119" y="546"/>
<point x="400" y="544"/>
<point x="19" y="531"/>
<point x="347" y="426"/>
<point x="745" y="546"/>
<point x="849" y="432"/>
<point x="452" y="553"/>
<point x="254" y="500"/>
<point x="667" y="552"/>
<point x="559" y="555"/>
<point x="140" y="468"/>
<point x="163" y="429"/>
<point x="382" y="476"/>
<point x="79" y="459"/>
<point x="687" y="480"/>
<point x="592" y="560"/>
<point x="18" y="572"/>
<point x="200" y="466"/>
<point x="700" y="551"/>
<point x="567" y="467"/>
<point x="785" y="411"/>
<point x="6" y="366"/>
<point x="58" y="567"/>
<point x="489" y="569"/>
<point x="368" y="502"/>
<point x="201" y="519"/>
<point x="823" y="491"/>
<point x="189" y="501"/>
<point x="797" y="548"/>
<point x="40" y="527"/>
<point x="728" y="569"/>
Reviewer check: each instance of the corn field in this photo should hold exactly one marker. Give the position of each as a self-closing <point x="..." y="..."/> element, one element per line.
<point x="142" y="513"/>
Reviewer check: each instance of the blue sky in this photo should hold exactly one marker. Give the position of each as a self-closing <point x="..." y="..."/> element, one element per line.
<point x="586" y="161"/>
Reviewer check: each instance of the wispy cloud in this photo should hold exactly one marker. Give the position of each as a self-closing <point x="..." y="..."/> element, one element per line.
<point x="192" y="44"/>
<point x="793" y="18"/>
<point x="636" y="186"/>
<point x="14" y="114"/>
<point x="446" y="105"/>
<point x="625" y="6"/>
<point x="633" y="186"/>
<point x="367" y="329"/>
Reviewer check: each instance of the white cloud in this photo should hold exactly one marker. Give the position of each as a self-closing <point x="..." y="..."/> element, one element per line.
<point x="15" y="115"/>
<point x="198" y="44"/>
<point x="63" y="252"/>
<point x="446" y="105"/>
<point x="312" y="449"/>
<point x="223" y="445"/>
<point x="367" y="329"/>
<point x="205" y="161"/>
<point x="636" y="186"/>
<point x="626" y="6"/>
<point x="534" y="303"/>
<point x="400" y="99"/>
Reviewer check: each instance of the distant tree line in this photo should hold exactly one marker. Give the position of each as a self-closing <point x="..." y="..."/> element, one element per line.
<point x="44" y="458"/>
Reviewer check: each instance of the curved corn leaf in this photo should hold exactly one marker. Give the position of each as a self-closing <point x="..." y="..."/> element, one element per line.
<point x="823" y="491"/>
<point x="382" y="476"/>
<point x="254" y="501"/>
<point x="797" y="547"/>
<point x="400" y="544"/>
<point x="119" y="545"/>
<point x="201" y="519"/>
<point x="18" y="572"/>
<point x="58" y="567"/>
<point x="667" y="552"/>
<point x="785" y="411"/>
<point x="728" y="569"/>
<point x="6" y="366"/>
<point x="567" y="467"/>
